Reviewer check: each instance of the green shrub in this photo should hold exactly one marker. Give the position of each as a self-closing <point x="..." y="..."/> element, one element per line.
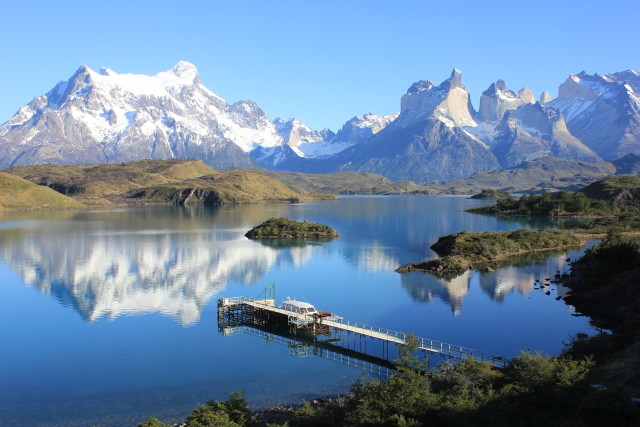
<point x="229" y="413"/>
<point x="152" y="422"/>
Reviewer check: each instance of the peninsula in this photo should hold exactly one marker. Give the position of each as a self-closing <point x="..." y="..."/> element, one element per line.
<point x="462" y="251"/>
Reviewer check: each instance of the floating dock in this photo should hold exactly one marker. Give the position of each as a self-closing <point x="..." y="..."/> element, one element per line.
<point x="263" y="312"/>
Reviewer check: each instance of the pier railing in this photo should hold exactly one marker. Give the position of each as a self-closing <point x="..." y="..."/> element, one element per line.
<point x="427" y="344"/>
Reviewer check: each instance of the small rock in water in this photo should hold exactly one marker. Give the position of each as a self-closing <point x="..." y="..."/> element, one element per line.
<point x="568" y="259"/>
<point x="548" y="293"/>
<point x="558" y="298"/>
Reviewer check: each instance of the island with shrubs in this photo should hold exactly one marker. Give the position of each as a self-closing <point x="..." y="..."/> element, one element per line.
<point x="285" y="228"/>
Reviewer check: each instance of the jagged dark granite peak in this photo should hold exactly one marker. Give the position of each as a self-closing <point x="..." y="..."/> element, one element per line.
<point x="498" y="86"/>
<point x="456" y="78"/>
<point x="421" y="86"/>
<point x="454" y="81"/>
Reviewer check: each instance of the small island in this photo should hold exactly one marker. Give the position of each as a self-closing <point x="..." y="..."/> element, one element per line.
<point x="285" y="228"/>
<point x="462" y="251"/>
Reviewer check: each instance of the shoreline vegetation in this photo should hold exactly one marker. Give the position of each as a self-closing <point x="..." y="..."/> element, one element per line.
<point x="285" y="228"/>
<point x="463" y="251"/>
<point x="612" y="203"/>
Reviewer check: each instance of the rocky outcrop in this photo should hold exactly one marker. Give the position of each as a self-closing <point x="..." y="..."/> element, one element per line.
<point x="544" y="97"/>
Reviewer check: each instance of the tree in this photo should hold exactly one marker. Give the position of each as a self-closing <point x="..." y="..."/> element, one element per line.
<point x="230" y="413"/>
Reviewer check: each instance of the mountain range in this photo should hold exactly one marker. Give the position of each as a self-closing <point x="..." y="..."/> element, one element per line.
<point x="106" y="117"/>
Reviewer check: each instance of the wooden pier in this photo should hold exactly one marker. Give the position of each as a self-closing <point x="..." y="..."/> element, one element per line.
<point x="263" y="312"/>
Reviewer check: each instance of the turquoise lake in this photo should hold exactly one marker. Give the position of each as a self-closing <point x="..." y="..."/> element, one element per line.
<point x="108" y="317"/>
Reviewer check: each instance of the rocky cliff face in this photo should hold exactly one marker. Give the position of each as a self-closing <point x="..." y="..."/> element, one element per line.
<point x="427" y="140"/>
<point x="496" y="100"/>
<point x="449" y="102"/>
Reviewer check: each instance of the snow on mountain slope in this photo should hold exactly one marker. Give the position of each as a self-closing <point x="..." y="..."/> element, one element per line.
<point x="602" y="111"/>
<point x="104" y="116"/>
<point x="303" y="140"/>
<point x="97" y="117"/>
<point x="428" y="140"/>
<point x="449" y="102"/>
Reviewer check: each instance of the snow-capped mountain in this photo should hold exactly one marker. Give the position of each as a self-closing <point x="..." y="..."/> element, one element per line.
<point x="97" y="117"/>
<point x="519" y="129"/>
<point x="602" y="111"/>
<point x="109" y="117"/>
<point x="303" y="140"/>
<point x="427" y="141"/>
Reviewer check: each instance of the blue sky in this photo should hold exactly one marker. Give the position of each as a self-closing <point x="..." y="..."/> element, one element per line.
<point x="322" y="61"/>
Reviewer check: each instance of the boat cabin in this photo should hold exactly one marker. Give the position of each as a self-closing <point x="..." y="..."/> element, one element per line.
<point x="298" y="306"/>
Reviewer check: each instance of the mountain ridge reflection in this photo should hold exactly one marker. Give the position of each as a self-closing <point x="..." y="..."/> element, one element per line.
<point x="105" y="272"/>
<point x="517" y="275"/>
<point x="173" y="260"/>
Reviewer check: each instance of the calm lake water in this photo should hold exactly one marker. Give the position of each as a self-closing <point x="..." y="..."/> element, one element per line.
<point x="109" y="316"/>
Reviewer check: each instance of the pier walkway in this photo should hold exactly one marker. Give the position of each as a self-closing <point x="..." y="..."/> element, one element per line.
<point x="265" y="312"/>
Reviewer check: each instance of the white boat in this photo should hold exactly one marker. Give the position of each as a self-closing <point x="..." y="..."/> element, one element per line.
<point x="300" y="307"/>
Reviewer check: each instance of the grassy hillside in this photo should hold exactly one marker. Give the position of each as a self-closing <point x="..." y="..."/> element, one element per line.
<point x="534" y="176"/>
<point x="221" y="188"/>
<point x="623" y="190"/>
<point x="346" y="183"/>
<point x="17" y="193"/>
<point x="96" y="182"/>
<point x="177" y="181"/>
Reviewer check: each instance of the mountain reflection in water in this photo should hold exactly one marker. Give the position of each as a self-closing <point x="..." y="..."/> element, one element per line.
<point x="103" y="270"/>
<point x="516" y="275"/>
